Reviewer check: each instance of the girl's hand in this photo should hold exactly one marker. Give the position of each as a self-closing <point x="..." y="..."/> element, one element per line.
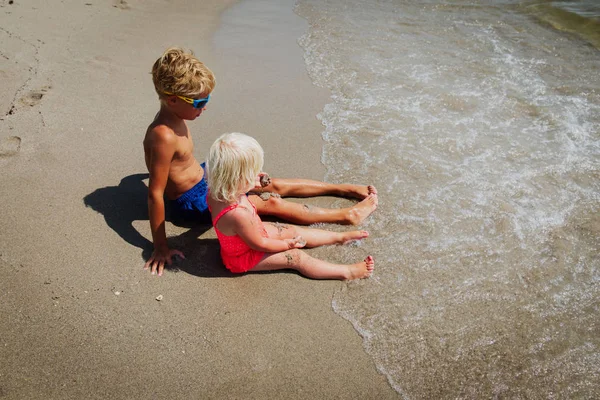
<point x="262" y="180"/>
<point x="296" y="243"/>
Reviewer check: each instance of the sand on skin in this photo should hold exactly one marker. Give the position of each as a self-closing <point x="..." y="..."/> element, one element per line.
<point x="79" y="316"/>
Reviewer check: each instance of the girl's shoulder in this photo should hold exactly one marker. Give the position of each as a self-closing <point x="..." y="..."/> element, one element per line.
<point x="238" y="211"/>
<point x="240" y="216"/>
<point x="226" y="218"/>
<point x="232" y="211"/>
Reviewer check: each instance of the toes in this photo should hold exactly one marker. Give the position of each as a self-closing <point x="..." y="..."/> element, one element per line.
<point x="371" y="199"/>
<point x="375" y="198"/>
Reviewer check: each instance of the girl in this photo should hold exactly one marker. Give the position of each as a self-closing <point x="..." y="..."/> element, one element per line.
<point x="247" y="244"/>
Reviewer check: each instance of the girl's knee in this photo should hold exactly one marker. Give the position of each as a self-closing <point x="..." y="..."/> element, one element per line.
<point x="293" y="257"/>
<point x="285" y="231"/>
<point x="291" y="230"/>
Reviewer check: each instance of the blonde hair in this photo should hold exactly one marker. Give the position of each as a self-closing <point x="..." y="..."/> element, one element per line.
<point x="180" y="73"/>
<point x="234" y="162"/>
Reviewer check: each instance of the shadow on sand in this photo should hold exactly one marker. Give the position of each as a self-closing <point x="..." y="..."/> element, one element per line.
<point x="121" y="205"/>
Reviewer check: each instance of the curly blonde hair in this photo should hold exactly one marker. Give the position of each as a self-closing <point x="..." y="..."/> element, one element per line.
<point x="234" y="161"/>
<point x="180" y="72"/>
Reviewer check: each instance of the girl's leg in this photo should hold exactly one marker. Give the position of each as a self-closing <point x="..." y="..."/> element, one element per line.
<point x="315" y="268"/>
<point x="310" y="188"/>
<point x="306" y="215"/>
<point x="313" y="237"/>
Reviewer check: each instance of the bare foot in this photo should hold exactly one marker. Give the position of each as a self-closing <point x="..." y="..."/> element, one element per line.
<point x="362" y="270"/>
<point x="354" y="235"/>
<point x="362" y="210"/>
<point x="357" y="191"/>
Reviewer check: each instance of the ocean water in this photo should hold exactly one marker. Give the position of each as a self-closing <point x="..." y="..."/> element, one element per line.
<point x="479" y="123"/>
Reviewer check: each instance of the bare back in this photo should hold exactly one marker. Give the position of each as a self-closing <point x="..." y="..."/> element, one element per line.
<point x="168" y="137"/>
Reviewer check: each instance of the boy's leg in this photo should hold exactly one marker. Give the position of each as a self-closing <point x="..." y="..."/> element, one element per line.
<point x="314" y="268"/>
<point x="313" y="237"/>
<point x="305" y="214"/>
<point x="311" y="188"/>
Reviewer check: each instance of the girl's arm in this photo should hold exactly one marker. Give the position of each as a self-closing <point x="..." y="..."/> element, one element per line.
<point x="245" y="225"/>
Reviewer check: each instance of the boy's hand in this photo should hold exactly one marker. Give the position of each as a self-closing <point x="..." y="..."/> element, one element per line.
<point x="296" y="243"/>
<point x="158" y="258"/>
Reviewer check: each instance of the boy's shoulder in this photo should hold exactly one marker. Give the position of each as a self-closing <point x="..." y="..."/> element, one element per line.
<point x="160" y="133"/>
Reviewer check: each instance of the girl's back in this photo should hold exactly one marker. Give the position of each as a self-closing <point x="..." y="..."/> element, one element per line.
<point x="236" y="254"/>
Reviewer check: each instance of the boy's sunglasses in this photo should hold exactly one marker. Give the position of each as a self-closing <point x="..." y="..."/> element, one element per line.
<point x="197" y="103"/>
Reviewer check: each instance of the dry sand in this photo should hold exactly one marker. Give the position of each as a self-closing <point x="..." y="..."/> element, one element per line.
<point x="78" y="314"/>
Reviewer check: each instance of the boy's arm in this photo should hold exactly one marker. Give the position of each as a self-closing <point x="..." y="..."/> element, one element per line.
<point x="162" y="151"/>
<point x="245" y="226"/>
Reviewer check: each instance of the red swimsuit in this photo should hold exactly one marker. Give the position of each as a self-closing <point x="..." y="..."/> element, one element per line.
<point x="237" y="256"/>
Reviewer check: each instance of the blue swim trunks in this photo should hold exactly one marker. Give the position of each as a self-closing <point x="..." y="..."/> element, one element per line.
<point x="191" y="206"/>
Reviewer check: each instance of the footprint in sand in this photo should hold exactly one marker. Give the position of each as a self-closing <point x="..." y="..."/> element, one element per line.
<point x="10" y="146"/>
<point x="122" y="4"/>
<point x="34" y="97"/>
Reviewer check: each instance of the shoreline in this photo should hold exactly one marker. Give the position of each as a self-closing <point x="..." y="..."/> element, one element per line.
<point x="80" y="315"/>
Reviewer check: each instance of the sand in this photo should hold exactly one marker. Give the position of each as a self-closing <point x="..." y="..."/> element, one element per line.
<point x="79" y="317"/>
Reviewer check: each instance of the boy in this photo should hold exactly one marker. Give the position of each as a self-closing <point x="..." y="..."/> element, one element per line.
<point x="184" y="85"/>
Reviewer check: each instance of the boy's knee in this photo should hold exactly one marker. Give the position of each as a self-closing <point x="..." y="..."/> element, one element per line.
<point x="275" y="185"/>
<point x="266" y="205"/>
<point x="274" y="202"/>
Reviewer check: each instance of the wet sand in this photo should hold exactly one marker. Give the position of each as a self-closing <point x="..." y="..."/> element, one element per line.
<point x="79" y="316"/>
